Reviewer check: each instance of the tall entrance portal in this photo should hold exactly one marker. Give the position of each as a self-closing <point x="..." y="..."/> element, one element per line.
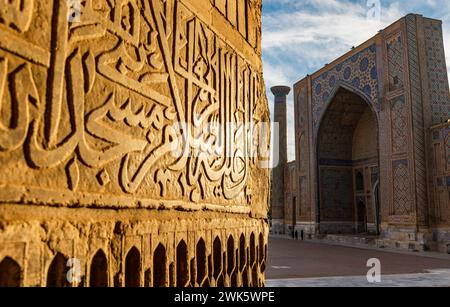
<point x="347" y="154"/>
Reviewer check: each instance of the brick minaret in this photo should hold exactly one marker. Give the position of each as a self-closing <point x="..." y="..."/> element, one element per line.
<point x="277" y="201"/>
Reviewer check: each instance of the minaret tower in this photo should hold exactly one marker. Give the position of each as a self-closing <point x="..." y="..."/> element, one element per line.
<point x="277" y="200"/>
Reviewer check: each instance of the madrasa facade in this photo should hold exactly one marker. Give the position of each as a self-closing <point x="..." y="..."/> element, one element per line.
<point x="372" y="135"/>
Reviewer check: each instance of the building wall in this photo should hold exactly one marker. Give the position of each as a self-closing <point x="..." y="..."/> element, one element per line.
<point x="291" y="210"/>
<point x="401" y="73"/>
<point x="365" y="137"/>
<point x="436" y="72"/>
<point x="440" y="212"/>
<point x="335" y="162"/>
<point x="347" y="146"/>
<point x="366" y="159"/>
<point x="95" y="154"/>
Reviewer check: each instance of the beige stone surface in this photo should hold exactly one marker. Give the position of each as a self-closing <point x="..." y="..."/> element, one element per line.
<point x="126" y="139"/>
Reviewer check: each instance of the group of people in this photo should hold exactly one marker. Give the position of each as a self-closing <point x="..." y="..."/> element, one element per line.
<point x="295" y="235"/>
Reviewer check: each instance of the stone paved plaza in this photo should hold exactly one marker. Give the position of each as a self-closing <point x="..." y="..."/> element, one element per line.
<point x="430" y="279"/>
<point x="310" y="264"/>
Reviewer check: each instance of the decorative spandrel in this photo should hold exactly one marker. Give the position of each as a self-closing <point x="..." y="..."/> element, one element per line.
<point x="135" y="100"/>
<point x="358" y="73"/>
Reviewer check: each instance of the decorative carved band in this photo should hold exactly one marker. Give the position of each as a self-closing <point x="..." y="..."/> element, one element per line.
<point x="128" y="102"/>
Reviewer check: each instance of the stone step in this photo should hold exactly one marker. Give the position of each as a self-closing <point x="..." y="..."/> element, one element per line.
<point x="350" y="240"/>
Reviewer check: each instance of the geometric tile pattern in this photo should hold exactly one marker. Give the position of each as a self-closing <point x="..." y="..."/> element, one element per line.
<point x="402" y="191"/>
<point x="437" y="72"/>
<point x="441" y="175"/>
<point x="304" y="204"/>
<point x="336" y="203"/>
<point x="399" y="125"/>
<point x="358" y="73"/>
<point x="447" y="147"/>
<point x="303" y="129"/>
<point x="418" y="121"/>
<point x="395" y="52"/>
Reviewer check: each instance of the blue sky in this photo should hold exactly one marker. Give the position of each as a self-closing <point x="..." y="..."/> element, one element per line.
<point x="301" y="36"/>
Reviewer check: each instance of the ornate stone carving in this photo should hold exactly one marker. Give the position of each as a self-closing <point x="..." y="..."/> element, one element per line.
<point x="132" y="143"/>
<point x="162" y="88"/>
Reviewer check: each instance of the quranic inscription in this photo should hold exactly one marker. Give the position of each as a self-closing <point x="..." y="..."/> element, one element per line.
<point x="131" y="100"/>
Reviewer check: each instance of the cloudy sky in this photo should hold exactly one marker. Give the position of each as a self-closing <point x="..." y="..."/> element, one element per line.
<point x="301" y="36"/>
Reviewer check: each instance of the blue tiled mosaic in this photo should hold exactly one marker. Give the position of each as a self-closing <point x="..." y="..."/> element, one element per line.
<point x="358" y="73"/>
